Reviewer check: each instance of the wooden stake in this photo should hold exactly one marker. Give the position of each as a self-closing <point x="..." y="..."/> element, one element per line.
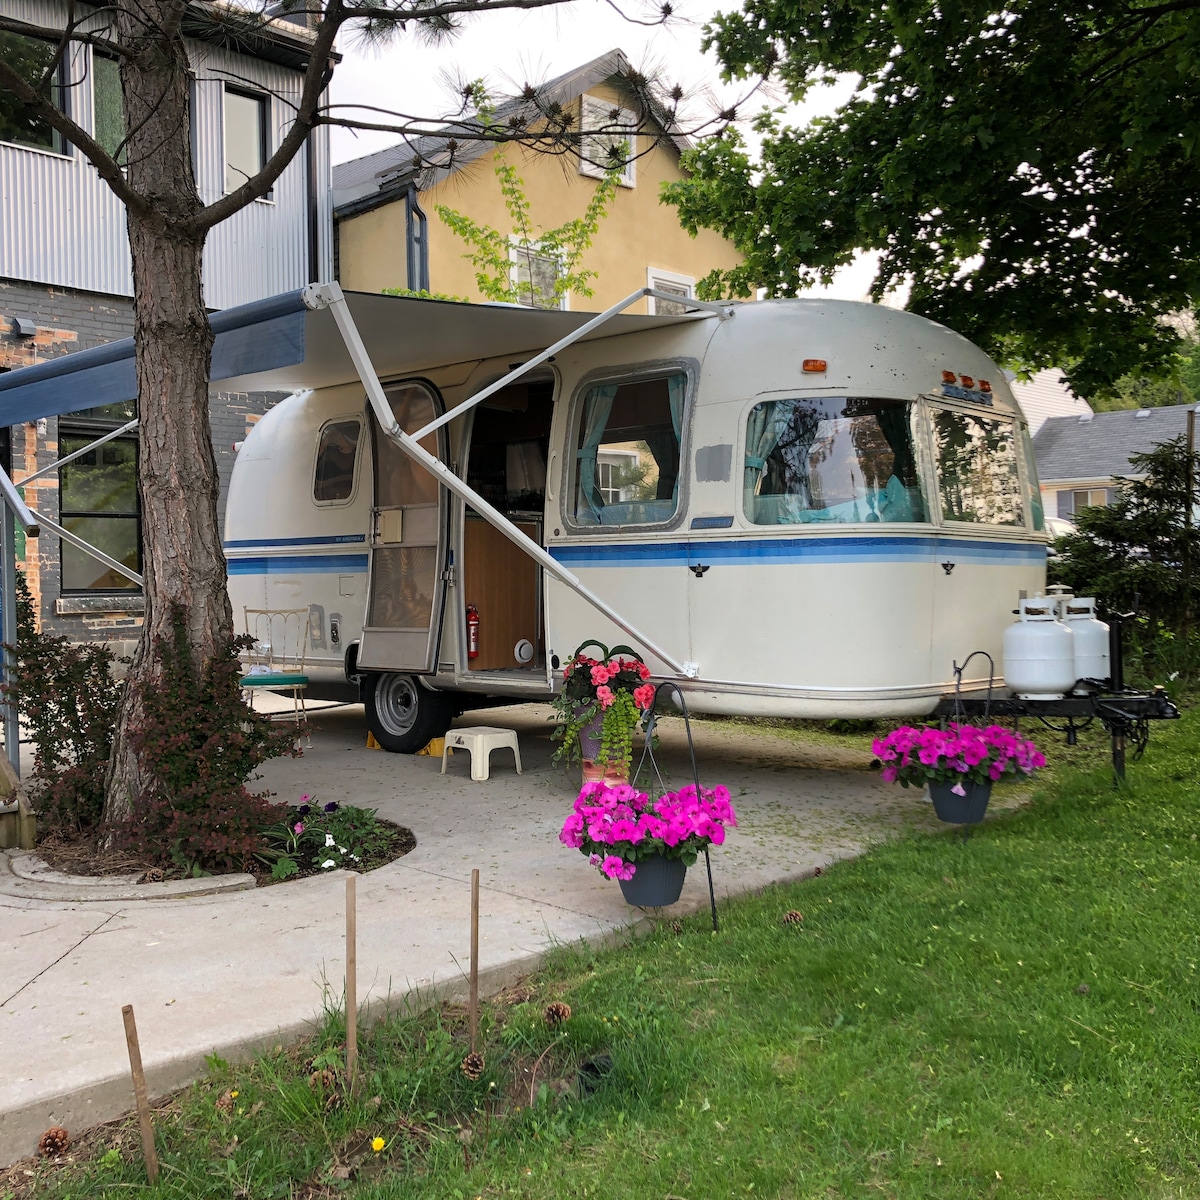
<point x="351" y="982"/>
<point x="474" y="1010"/>
<point x="139" y="1093"/>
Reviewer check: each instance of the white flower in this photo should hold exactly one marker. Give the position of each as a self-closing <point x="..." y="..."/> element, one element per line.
<point x="327" y="864"/>
<point x="342" y="849"/>
<point x="329" y="839"/>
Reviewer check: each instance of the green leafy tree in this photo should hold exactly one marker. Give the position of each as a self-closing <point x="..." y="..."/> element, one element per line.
<point x="1180" y="386"/>
<point x="1031" y="169"/>
<point x="1141" y="552"/>
<point x="491" y="252"/>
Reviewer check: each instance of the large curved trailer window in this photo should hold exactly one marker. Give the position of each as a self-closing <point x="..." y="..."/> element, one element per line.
<point x="977" y="468"/>
<point x="831" y="458"/>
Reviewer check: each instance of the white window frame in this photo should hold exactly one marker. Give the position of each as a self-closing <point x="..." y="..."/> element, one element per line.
<point x="655" y="276"/>
<point x="595" y="113"/>
<point x="517" y="249"/>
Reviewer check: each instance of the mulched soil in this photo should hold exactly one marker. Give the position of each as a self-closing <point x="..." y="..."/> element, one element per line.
<point x="77" y="854"/>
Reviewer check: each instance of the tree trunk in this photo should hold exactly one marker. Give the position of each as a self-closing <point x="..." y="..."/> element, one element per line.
<point x="183" y="565"/>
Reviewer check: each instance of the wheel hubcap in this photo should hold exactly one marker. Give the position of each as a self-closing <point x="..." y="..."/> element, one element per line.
<point x="396" y="703"/>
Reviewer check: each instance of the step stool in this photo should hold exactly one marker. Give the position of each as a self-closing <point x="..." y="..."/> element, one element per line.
<point x="480" y="741"/>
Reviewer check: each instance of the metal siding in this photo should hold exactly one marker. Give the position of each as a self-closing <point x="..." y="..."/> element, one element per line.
<point x="63" y="226"/>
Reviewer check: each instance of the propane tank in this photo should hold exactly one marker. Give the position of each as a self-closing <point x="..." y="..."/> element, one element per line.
<point x="1039" y="652"/>
<point x="472" y="631"/>
<point x="1091" y="638"/>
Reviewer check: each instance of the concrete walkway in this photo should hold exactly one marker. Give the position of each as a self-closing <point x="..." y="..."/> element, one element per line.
<point x="230" y="971"/>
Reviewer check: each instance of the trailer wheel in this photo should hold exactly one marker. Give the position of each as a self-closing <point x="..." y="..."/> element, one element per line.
<point x="403" y="715"/>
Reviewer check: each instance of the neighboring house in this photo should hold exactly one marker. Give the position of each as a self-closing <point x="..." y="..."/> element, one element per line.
<point x="65" y="280"/>
<point x="1078" y="458"/>
<point x="389" y="236"/>
<point x="1044" y="395"/>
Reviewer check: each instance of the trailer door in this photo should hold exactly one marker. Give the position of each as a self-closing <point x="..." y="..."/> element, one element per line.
<point x="405" y="588"/>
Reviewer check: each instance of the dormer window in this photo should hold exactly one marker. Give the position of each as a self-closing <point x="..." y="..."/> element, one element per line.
<point x="609" y="140"/>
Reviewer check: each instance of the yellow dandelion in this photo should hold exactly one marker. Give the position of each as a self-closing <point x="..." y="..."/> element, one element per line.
<point x="233" y="1095"/>
<point x="377" y="1144"/>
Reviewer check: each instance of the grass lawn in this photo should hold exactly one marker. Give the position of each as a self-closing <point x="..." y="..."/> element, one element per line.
<point x="1016" y="1015"/>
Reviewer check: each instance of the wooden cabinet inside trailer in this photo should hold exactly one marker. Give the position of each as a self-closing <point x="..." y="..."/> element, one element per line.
<point x="502" y="582"/>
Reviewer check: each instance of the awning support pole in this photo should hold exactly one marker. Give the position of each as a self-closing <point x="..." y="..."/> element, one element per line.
<point x="331" y="296"/>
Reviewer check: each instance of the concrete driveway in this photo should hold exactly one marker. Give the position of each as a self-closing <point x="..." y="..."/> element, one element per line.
<point x="237" y="970"/>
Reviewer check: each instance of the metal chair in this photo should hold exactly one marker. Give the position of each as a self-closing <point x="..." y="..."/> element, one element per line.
<point x="276" y="659"/>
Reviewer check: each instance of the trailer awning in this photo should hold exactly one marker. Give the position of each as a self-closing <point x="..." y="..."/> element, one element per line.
<point x="280" y="345"/>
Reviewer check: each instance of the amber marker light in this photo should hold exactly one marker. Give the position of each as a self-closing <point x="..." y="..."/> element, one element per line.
<point x="814" y="366"/>
<point x="967" y="381"/>
<point x="984" y="386"/>
<point x="949" y="377"/>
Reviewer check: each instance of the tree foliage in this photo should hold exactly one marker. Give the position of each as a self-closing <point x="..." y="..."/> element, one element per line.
<point x="1140" y="552"/>
<point x="1033" y="169"/>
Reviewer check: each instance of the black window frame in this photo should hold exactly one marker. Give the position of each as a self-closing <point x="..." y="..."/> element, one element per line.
<point x="59" y="91"/>
<point x="263" y="100"/>
<point x="90" y="425"/>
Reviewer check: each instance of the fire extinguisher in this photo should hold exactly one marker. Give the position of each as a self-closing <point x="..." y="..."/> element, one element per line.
<point x="472" y="631"/>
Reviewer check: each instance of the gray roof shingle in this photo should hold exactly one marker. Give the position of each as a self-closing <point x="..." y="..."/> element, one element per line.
<point x="1099" y="447"/>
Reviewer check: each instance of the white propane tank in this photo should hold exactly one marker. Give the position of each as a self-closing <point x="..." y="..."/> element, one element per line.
<point x="1039" y="652"/>
<point x="1091" y="638"/>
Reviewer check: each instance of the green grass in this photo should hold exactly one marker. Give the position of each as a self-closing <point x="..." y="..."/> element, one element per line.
<point x="1017" y="1015"/>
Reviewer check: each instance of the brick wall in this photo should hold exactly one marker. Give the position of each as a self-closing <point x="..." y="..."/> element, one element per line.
<point x="67" y="321"/>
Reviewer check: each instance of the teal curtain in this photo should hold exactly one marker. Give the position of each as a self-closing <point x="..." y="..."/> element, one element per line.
<point x="596" y="410"/>
<point x="763" y="429"/>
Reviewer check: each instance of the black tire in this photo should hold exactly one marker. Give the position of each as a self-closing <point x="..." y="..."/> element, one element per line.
<point x="403" y="715"/>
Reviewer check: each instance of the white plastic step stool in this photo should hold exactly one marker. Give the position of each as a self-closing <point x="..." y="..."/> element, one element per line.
<point x="481" y="740"/>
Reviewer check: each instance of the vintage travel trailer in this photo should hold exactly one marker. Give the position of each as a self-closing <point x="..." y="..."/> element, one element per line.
<point x="798" y="508"/>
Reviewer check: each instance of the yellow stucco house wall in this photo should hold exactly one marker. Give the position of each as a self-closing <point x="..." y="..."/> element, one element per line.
<point x="639" y="243"/>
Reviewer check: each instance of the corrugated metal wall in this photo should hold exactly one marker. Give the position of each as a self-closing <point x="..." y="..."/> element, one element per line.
<point x="61" y="225"/>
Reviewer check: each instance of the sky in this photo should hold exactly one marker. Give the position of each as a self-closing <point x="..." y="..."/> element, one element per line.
<point x="511" y="48"/>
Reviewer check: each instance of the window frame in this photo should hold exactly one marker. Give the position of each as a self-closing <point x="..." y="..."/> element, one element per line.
<point x="655" y="276"/>
<point x="355" y="472"/>
<point x="934" y="405"/>
<point x="517" y="247"/>
<point x="263" y="101"/>
<point x="593" y="170"/>
<point x="60" y="91"/>
<point x="90" y="428"/>
<point x="689" y="368"/>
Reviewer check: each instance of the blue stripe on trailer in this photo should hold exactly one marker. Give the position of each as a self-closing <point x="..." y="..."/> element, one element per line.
<point x="299" y="564"/>
<point x="783" y="551"/>
<point x="338" y="539"/>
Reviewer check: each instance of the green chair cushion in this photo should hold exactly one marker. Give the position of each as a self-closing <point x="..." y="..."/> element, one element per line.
<point x="276" y="679"/>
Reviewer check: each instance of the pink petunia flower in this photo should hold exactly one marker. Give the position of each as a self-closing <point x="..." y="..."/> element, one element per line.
<point x="605" y="695"/>
<point x="643" y="696"/>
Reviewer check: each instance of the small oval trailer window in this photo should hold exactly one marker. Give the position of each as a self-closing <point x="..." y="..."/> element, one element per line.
<point x="336" y="449"/>
<point x="844" y="459"/>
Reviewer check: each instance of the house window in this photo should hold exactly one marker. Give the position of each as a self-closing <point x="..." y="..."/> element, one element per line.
<point x="977" y="469"/>
<point x="245" y="137"/>
<point x="841" y="459"/>
<point x="21" y="123"/>
<point x="533" y="276"/>
<point x="1069" y="503"/>
<point x="608" y="139"/>
<point x="109" y="105"/>
<point x="627" y="452"/>
<point x="333" y="479"/>
<point x="683" y="286"/>
<point x="98" y="501"/>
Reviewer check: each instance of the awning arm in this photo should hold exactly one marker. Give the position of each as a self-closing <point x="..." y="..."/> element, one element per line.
<point x="330" y="296"/>
<point x="722" y="310"/>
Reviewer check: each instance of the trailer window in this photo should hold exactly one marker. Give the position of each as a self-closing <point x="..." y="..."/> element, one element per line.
<point x="834" y="458"/>
<point x="977" y="469"/>
<point x="627" y="452"/>
<point x="336" y="451"/>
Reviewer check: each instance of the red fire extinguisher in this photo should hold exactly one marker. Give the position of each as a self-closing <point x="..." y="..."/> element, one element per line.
<point x="472" y="631"/>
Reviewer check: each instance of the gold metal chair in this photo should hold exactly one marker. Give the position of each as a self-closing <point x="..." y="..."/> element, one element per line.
<point x="276" y="659"/>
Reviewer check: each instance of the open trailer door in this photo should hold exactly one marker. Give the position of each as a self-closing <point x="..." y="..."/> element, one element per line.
<point x="406" y="579"/>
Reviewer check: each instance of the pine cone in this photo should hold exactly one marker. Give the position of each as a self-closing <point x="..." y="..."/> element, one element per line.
<point x="792" y="917"/>
<point x="324" y="1079"/>
<point x="556" y="1013"/>
<point x="224" y="1102"/>
<point x="53" y="1142"/>
<point x="472" y="1066"/>
<point x="152" y="875"/>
